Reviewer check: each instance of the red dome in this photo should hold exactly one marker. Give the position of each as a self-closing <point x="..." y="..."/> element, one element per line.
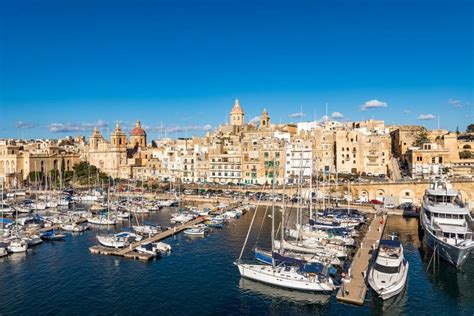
<point x="138" y="130"/>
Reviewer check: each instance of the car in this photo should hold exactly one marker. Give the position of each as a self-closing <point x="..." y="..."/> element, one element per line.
<point x="389" y="205"/>
<point x="375" y="201"/>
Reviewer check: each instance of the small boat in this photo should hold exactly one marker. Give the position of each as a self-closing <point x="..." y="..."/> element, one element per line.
<point x="163" y="247"/>
<point x="194" y="232"/>
<point x="388" y="276"/>
<point x="51" y="235"/>
<point x="149" y="248"/>
<point x="73" y="227"/>
<point x="33" y="240"/>
<point x="119" y="240"/>
<point x="102" y="220"/>
<point x="3" y="250"/>
<point x="216" y="223"/>
<point x="17" y="245"/>
<point x="147" y="229"/>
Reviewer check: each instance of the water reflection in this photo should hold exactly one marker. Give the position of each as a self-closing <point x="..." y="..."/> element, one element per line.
<point x="271" y="292"/>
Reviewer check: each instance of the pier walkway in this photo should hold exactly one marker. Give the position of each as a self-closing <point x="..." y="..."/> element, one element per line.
<point x="354" y="289"/>
<point x="129" y="252"/>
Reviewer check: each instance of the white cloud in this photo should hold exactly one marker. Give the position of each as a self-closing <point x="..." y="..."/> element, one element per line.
<point x="296" y="115"/>
<point x="255" y="120"/>
<point x="24" y="125"/>
<point x="406" y="111"/>
<point x="426" y="117"/>
<point x="373" y="104"/>
<point x="336" y="115"/>
<point x="75" y="127"/>
<point x="178" y="129"/>
<point x="455" y="103"/>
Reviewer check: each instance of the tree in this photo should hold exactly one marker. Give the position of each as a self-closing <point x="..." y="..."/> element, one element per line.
<point x="470" y="128"/>
<point x="421" y="137"/>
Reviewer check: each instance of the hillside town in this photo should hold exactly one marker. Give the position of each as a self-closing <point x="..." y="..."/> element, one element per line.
<point x="251" y="153"/>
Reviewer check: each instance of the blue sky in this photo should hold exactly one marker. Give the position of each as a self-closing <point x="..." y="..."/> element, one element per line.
<point x="66" y="66"/>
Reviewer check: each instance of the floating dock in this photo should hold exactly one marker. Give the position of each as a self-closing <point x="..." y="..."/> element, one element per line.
<point x="354" y="288"/>
<point x="129" y="252"/>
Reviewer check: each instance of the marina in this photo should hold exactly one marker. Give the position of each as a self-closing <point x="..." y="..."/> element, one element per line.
<point x="354" y="288"/>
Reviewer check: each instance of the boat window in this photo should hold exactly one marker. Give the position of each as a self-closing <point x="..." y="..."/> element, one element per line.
<point x="442" y="215"/>
<point x="435" y="214"/>
<point x="387" y="270"/>
<point x="446" y="235"/>
<point x="460" y="236"/>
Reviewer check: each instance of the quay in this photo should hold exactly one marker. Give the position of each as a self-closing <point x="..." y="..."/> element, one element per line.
<point x="354" y="287"/>
<point x="129" y="252"/>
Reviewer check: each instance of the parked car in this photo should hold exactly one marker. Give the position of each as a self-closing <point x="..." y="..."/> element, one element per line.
<point x="375" y="201"/>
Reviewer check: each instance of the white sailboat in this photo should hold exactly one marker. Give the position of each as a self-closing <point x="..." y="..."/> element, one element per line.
<point x="311" y="277"/>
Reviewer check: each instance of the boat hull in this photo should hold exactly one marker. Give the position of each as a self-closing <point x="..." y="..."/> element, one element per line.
<point x="254" y="272"/>
<point x="455" y="256"/>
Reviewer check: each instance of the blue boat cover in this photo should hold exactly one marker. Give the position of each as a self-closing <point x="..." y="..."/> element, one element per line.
<point x="5" y="221"/>
<point x="390" y="243"/>
<point x="287" y="260"/>
<point x="312" y="268"/>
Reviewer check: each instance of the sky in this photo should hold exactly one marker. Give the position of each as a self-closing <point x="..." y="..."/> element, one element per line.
<point x="178" y="66"/>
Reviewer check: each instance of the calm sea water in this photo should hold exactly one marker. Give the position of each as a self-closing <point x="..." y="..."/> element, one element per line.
<point x="199" y="277"/>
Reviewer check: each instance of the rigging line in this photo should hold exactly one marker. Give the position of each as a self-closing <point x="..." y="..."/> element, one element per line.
<point x="250" y="227"/>
<point x="261" y="225"/>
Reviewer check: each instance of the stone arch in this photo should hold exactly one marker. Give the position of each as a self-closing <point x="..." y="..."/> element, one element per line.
<point x="380" y="194"/>
<point x="1" y="167"/>
<point x="364" y="195"/>
<point x="466" y="146"/>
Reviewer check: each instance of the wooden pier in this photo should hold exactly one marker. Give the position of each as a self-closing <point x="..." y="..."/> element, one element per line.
<point x="354" y="287"/>
<point x="129" y="252"/>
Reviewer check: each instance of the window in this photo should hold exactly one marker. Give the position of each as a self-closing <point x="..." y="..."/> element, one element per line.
<point x="433" y="160"/>
<point x="387" y="270"/>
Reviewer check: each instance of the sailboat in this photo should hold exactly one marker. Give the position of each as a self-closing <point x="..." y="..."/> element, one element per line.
<point x="119" y="240"/>
<point x="304" y="277"/>
<point x="3" y="248"/>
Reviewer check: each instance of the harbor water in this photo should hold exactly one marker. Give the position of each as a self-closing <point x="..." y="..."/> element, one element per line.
<point x="199" y="278"/>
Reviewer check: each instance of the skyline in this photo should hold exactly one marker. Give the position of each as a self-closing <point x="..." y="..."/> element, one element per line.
<point x="182" y="65"/>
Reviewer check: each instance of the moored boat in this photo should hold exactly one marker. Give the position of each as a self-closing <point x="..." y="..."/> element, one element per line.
<point x="388" y="275"/>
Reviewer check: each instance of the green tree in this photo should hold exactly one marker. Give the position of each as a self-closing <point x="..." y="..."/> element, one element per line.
<point x="470" y="128"/>
<point x="421" y="137"/>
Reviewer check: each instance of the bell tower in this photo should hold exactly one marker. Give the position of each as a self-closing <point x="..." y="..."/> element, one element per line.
<point x="237" y="115"/>
<point x="264" y="120"/>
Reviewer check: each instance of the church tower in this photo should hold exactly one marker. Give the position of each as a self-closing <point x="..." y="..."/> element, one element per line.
<point x="264" y="120"/>
<point x="237" y="115"/>
<point x="94" y="139"/>
<point x="138" y="136"/>
<point x="118" y="138"/>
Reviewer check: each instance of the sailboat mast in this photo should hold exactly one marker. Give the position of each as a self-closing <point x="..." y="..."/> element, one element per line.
<point x="273" y="211"/>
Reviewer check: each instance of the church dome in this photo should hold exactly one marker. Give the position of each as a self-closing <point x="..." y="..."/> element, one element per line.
<point x="138" y="130"/>
<point x="237" y="109"/>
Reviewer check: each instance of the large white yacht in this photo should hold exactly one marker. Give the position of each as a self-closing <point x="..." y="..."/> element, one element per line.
<point x="447" y="222"/>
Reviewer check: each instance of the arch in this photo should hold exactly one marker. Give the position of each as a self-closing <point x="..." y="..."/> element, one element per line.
<point x="364" y="195"/>
<point x="380" y="195"/>
<point x="466" y="146"/>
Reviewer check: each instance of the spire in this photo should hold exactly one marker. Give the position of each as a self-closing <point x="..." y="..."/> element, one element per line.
<point x="137" y="124"/>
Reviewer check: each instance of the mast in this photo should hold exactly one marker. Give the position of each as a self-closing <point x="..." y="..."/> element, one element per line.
<point x="311" y="189"/>
<point x="273" y="211"/>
